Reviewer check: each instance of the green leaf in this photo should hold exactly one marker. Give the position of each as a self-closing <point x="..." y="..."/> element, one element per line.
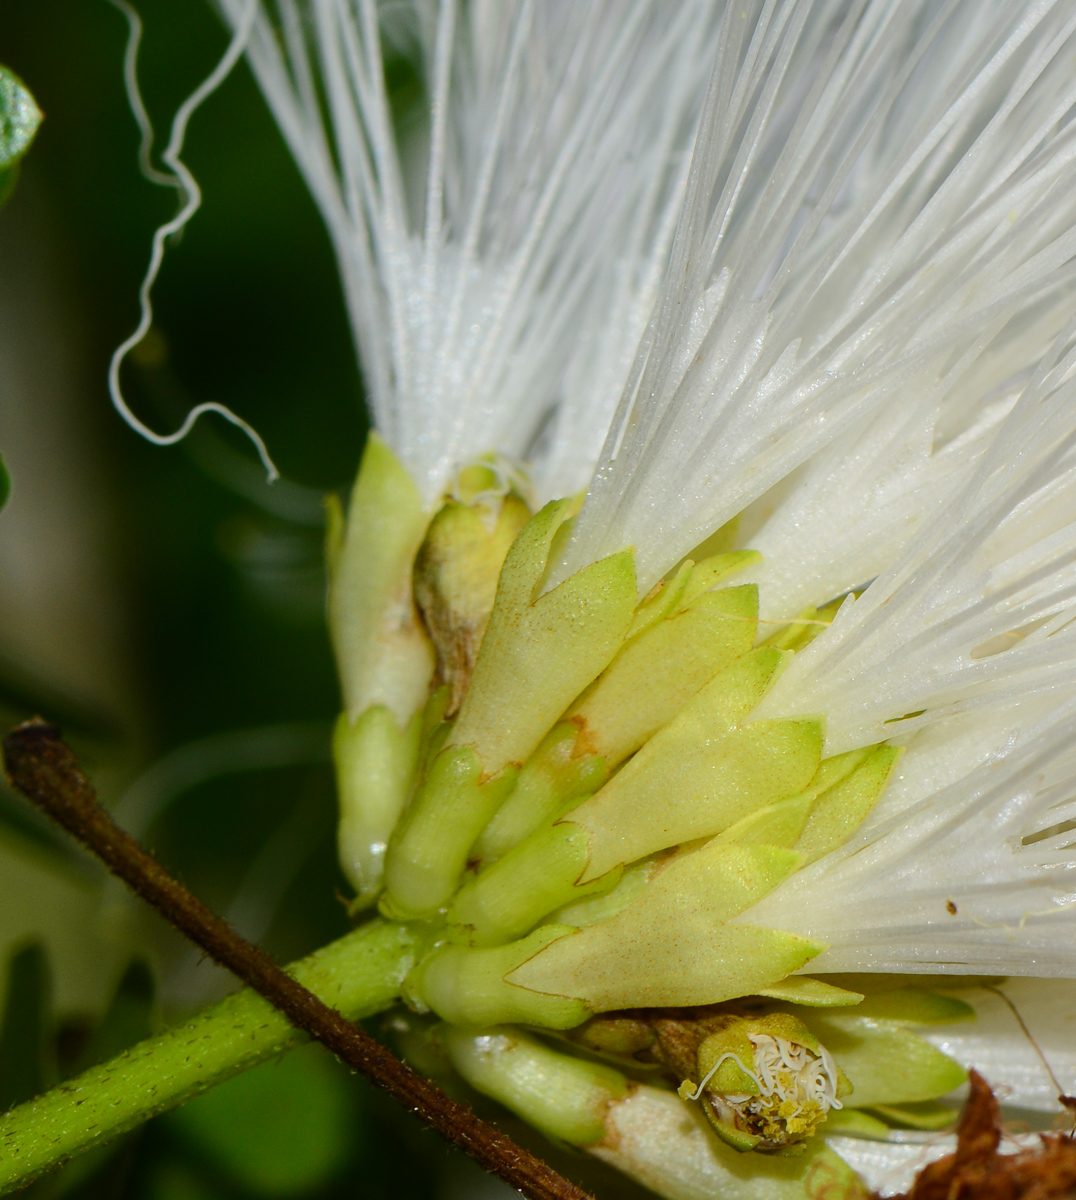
<point x="19" y="119"/>
<point x="5" y="484"/>
<point x="176" y="1181"/>
<point x="26" y="1068"/>
<point x="287" y="1126"/>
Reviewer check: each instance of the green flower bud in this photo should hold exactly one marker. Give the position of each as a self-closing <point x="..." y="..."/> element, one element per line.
<point x="429" y="849"/>
<point x="382" y="651"/>
<point x="563" y="1096"/>
<point x="375" y="762"/>
<point x="456" y="574"/>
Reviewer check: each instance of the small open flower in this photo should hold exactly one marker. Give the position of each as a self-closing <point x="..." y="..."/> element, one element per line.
<point x="786" y="288"/>
<point x="766" y="1084"/>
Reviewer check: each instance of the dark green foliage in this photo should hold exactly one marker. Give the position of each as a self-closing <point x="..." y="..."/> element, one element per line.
<point x="27" y="1064"/>
<point x="19" y="119"/>
<point x="287" y="1127"/>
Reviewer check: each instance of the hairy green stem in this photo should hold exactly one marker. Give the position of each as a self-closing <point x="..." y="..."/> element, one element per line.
<point x="359" y="975"/>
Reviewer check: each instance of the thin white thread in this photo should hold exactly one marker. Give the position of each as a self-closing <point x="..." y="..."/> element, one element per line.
<point x="134" y="98"/>
<point x="713" y="1070"/>
<point x="187" y="186"/>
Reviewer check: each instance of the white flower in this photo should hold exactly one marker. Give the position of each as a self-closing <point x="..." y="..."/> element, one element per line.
<point x="847" y="323"/>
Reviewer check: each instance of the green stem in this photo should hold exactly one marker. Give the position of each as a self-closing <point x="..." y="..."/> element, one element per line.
<point x="359" y="975"/>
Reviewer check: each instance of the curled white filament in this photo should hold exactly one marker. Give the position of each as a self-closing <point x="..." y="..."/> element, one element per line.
<point x="186" y="185"/>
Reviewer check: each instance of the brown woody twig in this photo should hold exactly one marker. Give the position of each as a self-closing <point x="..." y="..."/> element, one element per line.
<point x="44" y="769"/>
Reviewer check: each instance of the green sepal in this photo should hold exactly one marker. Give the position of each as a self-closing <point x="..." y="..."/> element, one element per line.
<point x="916" y="1006"/>
<point x="550" y="783"/>
<point x="851" y="1122"/>
<point x="839" y="811"/>
<point x="732" y="1075"/>
<point x="672" y="947"/>
<point x="812" y="993"/>
<point x="809" y="623"/>
<point x="375" y="765"/>
<point x="563" y="1096"/>
<point x="603" y="904"/>
<point x="435" y="729"/>
<point x="704" y="771"/>
<point x="382" y="652"/>
<point x="621" y="1037"/>
<point x="540" y="652"/>
<point x="511" y="896"/>
<point x="655" y="674"/>
<point x="833" y="770"/>
<point x="782" y="824"/>
<point x="731" y="1136"/>
<point x="19" y="121"/>
<point x="469" y="987"/>
<point x="777" y="824"/>
<point x="661" y="601"/>
<point x="885" y="1063"/>
<point x="926" y="1114"/>
<point x="707" y="573"/>
<point x="690" y="580"/>
<point x="430" y="846"/>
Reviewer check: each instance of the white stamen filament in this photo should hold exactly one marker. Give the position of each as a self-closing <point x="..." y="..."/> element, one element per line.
<point x="813" y="1076"/>
<point x="187" y="186"/>
<point x="713" y="1071"/>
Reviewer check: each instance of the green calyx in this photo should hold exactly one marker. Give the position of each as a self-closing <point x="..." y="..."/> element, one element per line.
<point x="511" y="896"/>
<point x="583" y="816"/>
<point x="551" y="782"/>
<point x="674" y="945"/>
<point x="511" y="823"/>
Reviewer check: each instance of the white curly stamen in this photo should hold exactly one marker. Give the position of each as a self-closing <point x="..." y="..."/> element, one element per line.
<point x="713" y="1071"/>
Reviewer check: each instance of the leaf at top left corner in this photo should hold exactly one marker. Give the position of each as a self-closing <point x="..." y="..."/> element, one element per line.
<point x="19" y="119"/>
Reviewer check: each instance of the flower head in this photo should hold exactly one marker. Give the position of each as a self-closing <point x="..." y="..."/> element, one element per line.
<point x="790" y="283"/>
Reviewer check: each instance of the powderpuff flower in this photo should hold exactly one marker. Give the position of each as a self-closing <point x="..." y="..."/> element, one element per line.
<point x="786" y="289"/>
